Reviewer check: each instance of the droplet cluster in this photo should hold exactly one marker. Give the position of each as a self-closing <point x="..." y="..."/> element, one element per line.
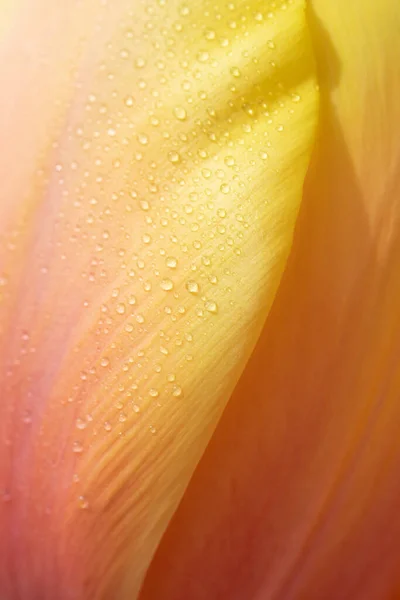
<point x="155" y="222"/>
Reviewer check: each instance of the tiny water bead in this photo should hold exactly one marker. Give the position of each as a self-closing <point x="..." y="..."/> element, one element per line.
<point x="211" y="306"/>
<point x="180" y="113"/>
<point x="121" y="308"/>
<point x="167" y="285"/>
<point x="143" y="139"/>
<point x="77" y="448"/>
<point x="192" y="286"/>
<point x="171" y="262"/>
<point x="229" y="161"/>
<point x="174" y="157"/>
<point x="83" y="502"/>
<point x="177" y="391"/>
<point x="225" y="188"/>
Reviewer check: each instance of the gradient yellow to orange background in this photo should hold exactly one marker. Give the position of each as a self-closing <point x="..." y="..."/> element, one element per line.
<point x="152" y="165"/>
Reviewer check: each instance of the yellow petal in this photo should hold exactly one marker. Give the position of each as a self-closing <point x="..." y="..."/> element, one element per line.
<point x="152" y="164"/>
<point x="297" y="494"/>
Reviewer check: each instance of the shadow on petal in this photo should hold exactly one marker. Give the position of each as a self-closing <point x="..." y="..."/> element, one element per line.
<point x="296" y="495"/>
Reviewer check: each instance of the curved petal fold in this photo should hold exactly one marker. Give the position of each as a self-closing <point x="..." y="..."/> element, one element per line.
<point x="297" y="494"/>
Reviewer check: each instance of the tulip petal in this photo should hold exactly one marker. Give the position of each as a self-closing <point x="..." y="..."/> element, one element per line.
<point x="152" y="161"/>
<point x="297" y="494"/>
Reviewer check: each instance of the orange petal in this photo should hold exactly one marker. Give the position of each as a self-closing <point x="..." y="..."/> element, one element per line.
<point x="152" y="161"/>
<point x="297" y="494"/>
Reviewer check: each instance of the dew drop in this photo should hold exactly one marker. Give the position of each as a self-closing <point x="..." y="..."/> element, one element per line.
<point x="174" y="157"/>
<point x="146" y="238"/>
<point x="80" y="424"/>
<point x="192" y="287"/>
<point x="225" y="189"/>
<point x="121" y="308"/>
<point x="235" y="71"/>
<point x="143" y="139"/>
<point x="77" y="448"/>
<point x="140" y="63"/>
<point x="167" y="285"/>
<point x="83" y="502"/>
<point x="171" y="262"/>
<point x="211" y="306"/>
<point x="180" y="113"/>
<point x="144" y="205"/>
<point x="209" y="34"/>
<point x="177" y="392"/>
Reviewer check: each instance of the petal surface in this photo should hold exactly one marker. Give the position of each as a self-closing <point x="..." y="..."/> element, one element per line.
<point x="152" y="161"/>
<point x="297" y="494"/>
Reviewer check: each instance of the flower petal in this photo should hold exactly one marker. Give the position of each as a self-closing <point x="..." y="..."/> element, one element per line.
<point x="152" y="163"/>
<point x="297" y="494"/>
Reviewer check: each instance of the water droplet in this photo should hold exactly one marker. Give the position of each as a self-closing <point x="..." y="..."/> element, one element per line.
<point x="180" y="113"/>
<point x="211" y="306"/>
<point x="177" y="391"/>
<point x="174" y="157"/>
<point x="202" y="57"/>
<point x="146" y="238"/>
<point x="167" y="285"/>
<point x="107" y="426"/>
<point x="153" y="393"/>
<point x="143" y="139"/>
<point x="121" y="308"/>
<point x="104" y="361"/>
<point x="77" y="448"/>
<point x="192" y="287"/>
<point x="225" y="189"/>
<point x="140" y="62"/>
<point x="171" y="262"/>
<point x="144" y="205"/>
<point x="83" y="503"/>
<point x="209" y="34"/>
